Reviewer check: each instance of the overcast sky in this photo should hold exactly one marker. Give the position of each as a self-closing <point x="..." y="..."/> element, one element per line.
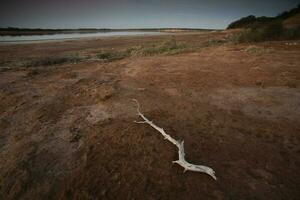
<point x="134" y="13"/>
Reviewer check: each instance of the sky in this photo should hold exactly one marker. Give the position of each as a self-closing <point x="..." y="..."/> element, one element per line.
<point x="215" y="14"/>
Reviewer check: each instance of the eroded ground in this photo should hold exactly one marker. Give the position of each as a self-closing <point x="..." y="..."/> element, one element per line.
<point x="67" y="131"/>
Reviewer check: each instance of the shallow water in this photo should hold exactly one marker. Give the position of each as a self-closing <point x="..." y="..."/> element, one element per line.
<point x="36" y="38"/>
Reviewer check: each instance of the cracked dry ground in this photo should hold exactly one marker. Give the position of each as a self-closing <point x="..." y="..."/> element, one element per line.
<point x="67" y="132"/>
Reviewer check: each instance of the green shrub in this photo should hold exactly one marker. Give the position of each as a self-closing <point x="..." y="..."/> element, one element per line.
<point x="292" y="33"/>
<point x="250" y="35"/>
<point x="50" y="61"/>
<point x="215" y="42"/>
<point x="104" y="55"/>
<point x="272" y="31"/>
<point x="112" y="55"/>
<point x="168" y="47"/>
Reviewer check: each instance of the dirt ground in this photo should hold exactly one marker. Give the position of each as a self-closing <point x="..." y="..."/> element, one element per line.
<point x="67" y="131"/>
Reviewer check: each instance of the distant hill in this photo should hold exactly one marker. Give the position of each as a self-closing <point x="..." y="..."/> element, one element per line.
<point x="290" y="19"/>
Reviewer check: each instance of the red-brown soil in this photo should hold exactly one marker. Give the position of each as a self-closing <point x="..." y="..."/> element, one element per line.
<point x="68" y="131"/>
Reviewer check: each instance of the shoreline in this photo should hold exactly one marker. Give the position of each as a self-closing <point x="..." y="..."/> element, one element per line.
<point x="93" y="37"/>
<point x="30" y="41"/>
<point x="31" y="32"/>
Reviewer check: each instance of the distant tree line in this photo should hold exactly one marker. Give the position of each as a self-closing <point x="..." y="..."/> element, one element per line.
<point x="251" y="21"/>
<point x="259" y="29"/>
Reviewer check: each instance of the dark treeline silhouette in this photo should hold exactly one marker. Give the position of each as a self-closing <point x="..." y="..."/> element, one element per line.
<point x="252" y="21"/>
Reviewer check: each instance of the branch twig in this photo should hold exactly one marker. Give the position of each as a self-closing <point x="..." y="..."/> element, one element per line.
<point x="179" y="144"/>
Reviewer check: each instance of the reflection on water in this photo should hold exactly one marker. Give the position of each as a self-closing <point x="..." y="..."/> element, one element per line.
<point x="34" y="38"/>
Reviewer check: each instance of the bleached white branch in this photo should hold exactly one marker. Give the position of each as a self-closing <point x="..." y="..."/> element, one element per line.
<point x="180" y="145"/>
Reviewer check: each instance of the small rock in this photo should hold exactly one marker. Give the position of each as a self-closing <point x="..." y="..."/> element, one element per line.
<point x="141" y="89"/>
<point x="115" y="177"/>
<point x="106" y="94"/>
<point x="260" y="83"/>
<point x="75" y="137"/>
<point x="103" y="192"/>
<point x="261" y="174"/>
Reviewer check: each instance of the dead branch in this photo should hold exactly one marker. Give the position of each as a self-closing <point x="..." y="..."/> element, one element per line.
<point x="180" y="145"/>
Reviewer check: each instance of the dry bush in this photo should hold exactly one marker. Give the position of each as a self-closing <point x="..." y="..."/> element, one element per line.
<point x="272" y="31"/>
<point x="50" y="61"/>
<point x="169" y="47"/>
